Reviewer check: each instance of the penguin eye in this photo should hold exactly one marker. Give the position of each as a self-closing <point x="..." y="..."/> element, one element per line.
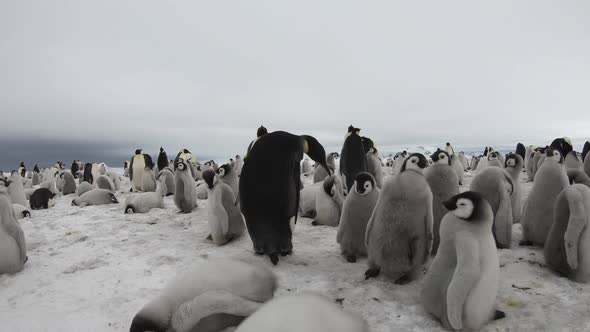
<point x="367" y="185"/>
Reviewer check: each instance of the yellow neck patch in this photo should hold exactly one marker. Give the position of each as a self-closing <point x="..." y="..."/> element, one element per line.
<point x="305" y="146"/>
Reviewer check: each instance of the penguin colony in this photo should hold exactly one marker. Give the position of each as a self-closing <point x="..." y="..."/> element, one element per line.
<point x="406" y="215"/>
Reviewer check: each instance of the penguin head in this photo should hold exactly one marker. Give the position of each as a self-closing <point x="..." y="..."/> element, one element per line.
<point x="142" y="324"/>
<point x="22" y="164"/>
<point x="492" y="156"/>
<point x="138" y="151"/>
<point x="364" y="183"/>
<point x="368" y="144"/>
<point x="26" y="214"/>
<point x="114" y="199"/>
<point x="554" y="154"/>
<point x="224" y="170"/>
<point x="416" y="162"/>
<point x="510" y="160"/>
<point x="334" y="155"/>
<point x="129" y="209"/>
<point x="441" y="157"/>
<point x="261" y="131"/>
<point x="315" y="151"/>
<point x="180" y="165"/>
<point x="5" y="182"/>
<point x="210" y="178"/>
<point x="468" y="205"/>
<point x="75" y="201"/>
<point x="328" y="185"/>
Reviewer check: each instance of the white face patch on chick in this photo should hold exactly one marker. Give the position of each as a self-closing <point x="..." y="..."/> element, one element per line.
<point x="442" y="159"/>
<point x="464" y="208"/>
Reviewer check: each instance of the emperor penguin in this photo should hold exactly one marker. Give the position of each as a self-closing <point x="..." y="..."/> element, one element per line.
<point x="228" y="176"/>
<point x="75" y="168"/>
<point x="458" y="167"/>
<point x="353" y="159"/>
<point x="126" y="169"/>
<point x="305" y="311"/>
<point x="463" y="161"/>
<point x="537" y="215"/>
<point x="16" y="190"/>
<point x="585" y="150"/>
<point x="139" y="162"/>
<point x="13" y="251"/>
<point x="210" y="296"/>
<point x="36" y="180"/>
<point x="148" y="180"/>
<point x="450" y="149"/>
<point x="69" y="183"/>
<point x="474" y="162"/>
<point x="225" y="219"/>
<point x="185" y="197"/>
<point x="563" y="145"/>
<point x="442" y="180"/>
<point x="115" y="178"/>
<point x="308" y="195"/>
<point x="269" y="195"/>
<point x="261" y="131"/>
<point x="399" y="234"/>
<point x="514" y="165"/>
<point x="105" y="182"/>
<point x="167" y="177"/>
<point x="306" y="167"/>
<point x="496" y="186"/>
<point x="94" y="170"/>
<point x="88" y="177"/>
<point x="42" y="198"/>
<point x="398" y="161"/>
<point x="22" y="170"/>
<point x="238" y="165"/>
<point x="328" y="203"/>
<point x="528" y="162"/>
<point x="537" y="158"/>
<point x="95" y="197"/>
<point x="145" y="201"/>
<point x="102" y="169"/>
<point x="461" y="285"/>
<point x="567" y="248"/>
<point x="492" y="160"/>
<point x="320" y="173"/>
<point x="20" y="211"/>
<point x="572" y="161"/>
<point x="162" y="159"/>
<point x="374" y="166"/>
<point x="83" y="187"/>
<point x="356" y="212"/>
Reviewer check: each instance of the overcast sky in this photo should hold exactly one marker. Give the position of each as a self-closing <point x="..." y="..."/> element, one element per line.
<point x="106" y="77"/>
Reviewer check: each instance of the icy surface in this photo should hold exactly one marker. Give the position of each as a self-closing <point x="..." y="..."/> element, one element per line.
<point x="93" y="268"/>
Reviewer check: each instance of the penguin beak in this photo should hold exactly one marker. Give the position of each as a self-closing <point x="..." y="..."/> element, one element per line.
<point x="450" y="205"/>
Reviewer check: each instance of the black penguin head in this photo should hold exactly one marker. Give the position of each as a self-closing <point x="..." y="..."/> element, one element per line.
<point x="209" y="178"/>
<point x="448" y="144"/>
<point x="511" y="160"/>
<point x="416" y="162"/>
<point x="493" y="155"/>
<point x="26" y="214"/>
<point x="238" y="157"/>
<point x="328" y="185"/>
<point x="125" y="165"/>
<point x="114" y="199"/>
<point x="334" y="155"/>
<point x="129" y="209"/>
<point x="143" y="324"/>
<point x="75" y="202"/>
<point x="364" y="183"/>
<point x="261" y="131"/>
<point x="5" y="182"/>
<point x="180" y="165"/>
<point x="161" y="149"/>
<point x="315" y="151"/>
<point x="441" y="157"/>
<point x="368" y="144"/>
<point x="224" y="170"/>
<point x="138" y="151"/>
<point x="468" y="205"/>
<point x="554" y="154"/>
<point x="22" y="164"/>
<point x="563" y="145"/>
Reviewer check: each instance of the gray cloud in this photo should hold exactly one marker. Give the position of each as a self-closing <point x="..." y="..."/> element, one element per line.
<point x="206" y="74"/>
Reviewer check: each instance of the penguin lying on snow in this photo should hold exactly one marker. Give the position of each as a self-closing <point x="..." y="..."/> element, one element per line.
<point x="42" y="198"/>
<point x="13" y="250"/>
<point x="461" y="285"/>
<point x="20" y="211"/>
<point x="308" y="196"/>
<point x="303" y="312"/>
<point x="328" y="203"/>
<point x="211" y="296"/>
<point x="95" y="197"/>
<point x="225" y="219"/>
<point x="145" y="201"/>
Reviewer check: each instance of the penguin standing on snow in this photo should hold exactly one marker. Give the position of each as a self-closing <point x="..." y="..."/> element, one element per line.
<point x="521" y="151"/>
<point x="75" y="168"/>
<point x="585" y="150"/>
<point x="88" y="177"/>
<point x="269" y="189"/>
<point x="225" y="219"/>
<point x="353" y="159"/>
<point x="137" y="168"/>
<point x="22" y="170"/>
<point x="162" y="159"/>
<point x="13" y="250"/>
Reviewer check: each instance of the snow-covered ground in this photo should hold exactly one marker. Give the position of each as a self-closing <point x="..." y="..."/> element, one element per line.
<point x="93" y="268"/>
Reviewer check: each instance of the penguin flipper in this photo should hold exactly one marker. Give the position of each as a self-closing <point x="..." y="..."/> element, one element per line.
<point x="576" y="224"/>
<point x="188" y="315"/>
<point x="465" y="276"/>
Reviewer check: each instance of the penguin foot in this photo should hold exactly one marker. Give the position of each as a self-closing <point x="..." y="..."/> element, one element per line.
<point x="372" y="273"/>
<point x="525" y="243"/>
<point x="351" y="258"/>
<point x="499" y="314"/>
<point x="209" y="237"/>
<point x="274" y="258"/>
<point x="402" y="280"/>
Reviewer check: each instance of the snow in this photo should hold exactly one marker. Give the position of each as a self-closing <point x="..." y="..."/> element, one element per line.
<point x="93" y="268"/>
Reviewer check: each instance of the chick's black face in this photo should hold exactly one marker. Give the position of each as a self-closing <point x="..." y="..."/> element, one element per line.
<point x="364" y="182"/>
<point x="209" y="177"/>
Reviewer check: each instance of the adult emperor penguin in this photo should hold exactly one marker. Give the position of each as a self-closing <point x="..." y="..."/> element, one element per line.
<point x="95" y="197"/>
<point x="513" y="165"/>
<point x="13" y="251"/>
<point x="269" y="189"/>
<point x="567" y="248"/>
<point x="228" y="176"/>
<point x="458" y="167"/>
<point x="374" y="166"/>
<point x="305" y="311"/>
<point x="353" y="159"/>
<point x="442" y="180"/>
<point x="259" y="133"/>
<point x="225" y="219"/>
<point x="185" y="197"/>
<point x="528" y="162"/>
<point x="16" y="190"/>
<point x="139" y="162"/>
<point x="328" y="203"/>
<point x="356" y="212"/>
<point x="88" y="177"/>
<point x="537" y="215"/>
<point x="461" y="285"/>
<point x="320" y="172"/>
<point x="520" y="150"/>
<point x="75" y="168"/>
<point x="585" y="150"/>
<point x="210" y="296"/>
<point x="162" y="159"/>
<point x="22" y="169"/>
<point x="496" y="186"/>
<point x="167" y="178"/>
<point x="145" y="201"/>
<point x="450" y="149"/>
<point x="69" y="183"/>
<point x="399" y="234"/>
